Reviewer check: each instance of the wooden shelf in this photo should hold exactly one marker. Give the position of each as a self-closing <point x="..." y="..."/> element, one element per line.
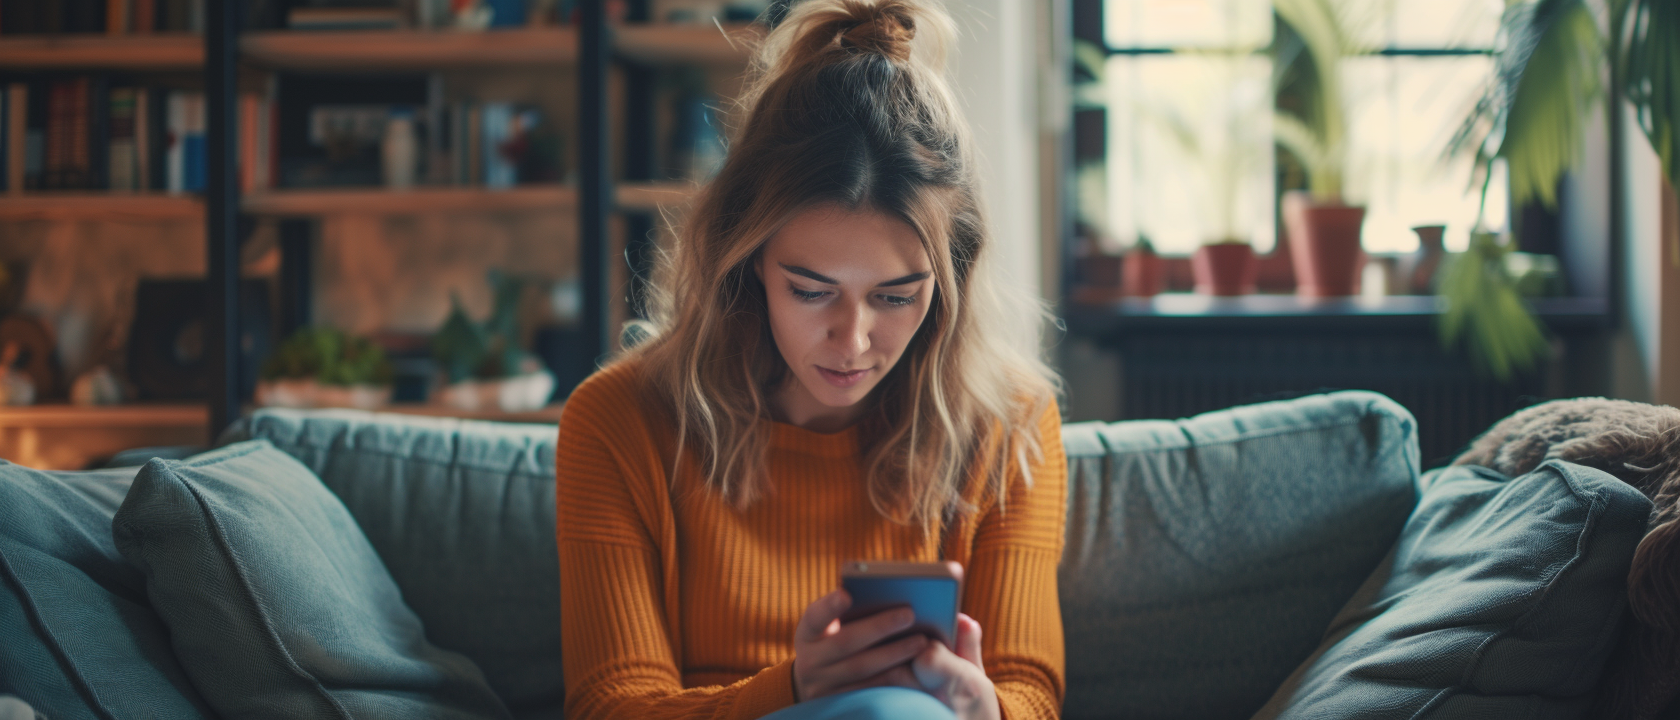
<point x="168" y="51"/>
<point x="95" y="205"/>
<point x="409" y="49"/>
<point x="376" y="201"/>
<point x="700" y="44"/>
<point x="104" y="416"/>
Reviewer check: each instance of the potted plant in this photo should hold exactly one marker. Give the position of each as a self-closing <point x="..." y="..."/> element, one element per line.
<point x="1323" y="229"/>
<point x="324" y="367"/>
<point x="484" y="367"/>
<point x="1142" y="273"/>
<point x="1552" y="56"/>
<point x="1225" y="263"/>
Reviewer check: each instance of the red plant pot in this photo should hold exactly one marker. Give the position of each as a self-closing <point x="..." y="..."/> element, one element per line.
<point x="1324" y="244"/>
<point x="1225" y="269"/>
<point x="1142" y="274"/>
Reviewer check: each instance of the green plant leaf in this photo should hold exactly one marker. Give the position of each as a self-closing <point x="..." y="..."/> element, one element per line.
<point x="1486" y="315"/>
<point x="1649" y="62"/>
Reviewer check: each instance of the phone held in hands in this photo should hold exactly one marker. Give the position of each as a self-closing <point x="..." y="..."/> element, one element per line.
<point x="931" y="589"/>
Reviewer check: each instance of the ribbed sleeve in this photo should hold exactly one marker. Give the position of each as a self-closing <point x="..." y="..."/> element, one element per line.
<point x="674" y="604"/>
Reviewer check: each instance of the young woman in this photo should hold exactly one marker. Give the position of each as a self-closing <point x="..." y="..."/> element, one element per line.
<point x="832" y="377"/>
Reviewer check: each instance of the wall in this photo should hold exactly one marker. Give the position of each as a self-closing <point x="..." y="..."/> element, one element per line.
<point x="1635" y="344"/>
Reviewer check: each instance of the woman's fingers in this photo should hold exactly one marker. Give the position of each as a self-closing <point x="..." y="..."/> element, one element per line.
<point x="875" y="661"/>
<point x="863" y="633"/>
<point x="819" y="615"/>
<point x="899" y="676"/>
<point x="968" y="640"/>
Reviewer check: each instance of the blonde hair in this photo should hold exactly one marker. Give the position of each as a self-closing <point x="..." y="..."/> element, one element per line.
<point x="848" y="106"/>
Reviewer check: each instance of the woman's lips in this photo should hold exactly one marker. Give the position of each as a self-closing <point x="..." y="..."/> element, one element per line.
<point x="842" y="379"/>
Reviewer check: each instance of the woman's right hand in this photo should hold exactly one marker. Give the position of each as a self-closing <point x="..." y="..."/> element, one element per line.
<point x="831" y="658"/>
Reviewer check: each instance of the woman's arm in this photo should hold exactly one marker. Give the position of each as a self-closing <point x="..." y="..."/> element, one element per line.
<point x="1010" y="583"/>
<point x="616" y="632"/>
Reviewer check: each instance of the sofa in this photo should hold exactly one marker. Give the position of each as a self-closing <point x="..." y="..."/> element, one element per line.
<point x="1281" y="560"/>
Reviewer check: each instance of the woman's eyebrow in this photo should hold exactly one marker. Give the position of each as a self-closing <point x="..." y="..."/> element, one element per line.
<point x="814" y="275"/>
<point x="906" y="280"/>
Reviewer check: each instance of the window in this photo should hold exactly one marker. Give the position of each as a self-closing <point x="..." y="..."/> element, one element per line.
<point x="1189" y="155"/>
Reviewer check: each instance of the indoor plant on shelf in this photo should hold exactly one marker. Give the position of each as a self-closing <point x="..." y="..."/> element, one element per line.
<point x="324" y="367"/>
<point x="483" y="365"/>
<point x="1324" y="231"/>
<point x="1550" y="65"/>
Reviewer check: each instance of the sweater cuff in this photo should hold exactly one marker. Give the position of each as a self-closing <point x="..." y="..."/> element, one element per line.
<point x="768" y="691"/>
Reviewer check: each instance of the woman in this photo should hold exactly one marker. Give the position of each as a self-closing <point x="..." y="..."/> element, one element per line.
<point x="831" y="378"/>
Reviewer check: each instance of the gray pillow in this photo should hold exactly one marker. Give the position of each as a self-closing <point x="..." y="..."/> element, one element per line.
<point x="1205" y="556"/>
<point x="275" y="603"/>
<point x="462" y="514"/>
<point x="78" y="639"/>
<point x="1502" y="599"/>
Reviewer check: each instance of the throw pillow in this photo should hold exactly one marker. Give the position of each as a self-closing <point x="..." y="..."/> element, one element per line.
<point x="462" y="514"/>
<point x="1502" y="599"/>
<point x="276" y="604"/>
<point x="78" y="639"/>
<point x="1205" y="556"/>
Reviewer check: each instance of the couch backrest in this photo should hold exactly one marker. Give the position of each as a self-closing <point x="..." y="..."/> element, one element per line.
<point x="1205" y="557"/>
<point x="462" y="514"/>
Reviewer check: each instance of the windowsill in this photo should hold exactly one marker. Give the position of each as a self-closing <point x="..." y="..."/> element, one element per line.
<point x="1189" y="311"/>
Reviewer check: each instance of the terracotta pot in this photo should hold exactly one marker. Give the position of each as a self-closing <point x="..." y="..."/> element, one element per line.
<point x="1224" y="269"/>
<point x="1324" y="243"/>
<point x="1142" y="275"/>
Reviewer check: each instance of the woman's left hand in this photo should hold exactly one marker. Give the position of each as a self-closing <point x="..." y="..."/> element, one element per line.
<point x="958" y="679"/>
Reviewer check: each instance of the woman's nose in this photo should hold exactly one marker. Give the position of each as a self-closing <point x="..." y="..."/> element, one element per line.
<point x="849" y="332"/>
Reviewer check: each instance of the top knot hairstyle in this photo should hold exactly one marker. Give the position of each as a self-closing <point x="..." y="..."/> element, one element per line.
<point x="847" y="105"/>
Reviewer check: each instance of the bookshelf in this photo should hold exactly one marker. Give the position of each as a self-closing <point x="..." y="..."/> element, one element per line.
<point x="609" y="62"/>
<point x="160" y="52"/>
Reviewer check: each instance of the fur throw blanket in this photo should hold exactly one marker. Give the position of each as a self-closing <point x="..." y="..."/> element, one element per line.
<point x="1640" y="445"/>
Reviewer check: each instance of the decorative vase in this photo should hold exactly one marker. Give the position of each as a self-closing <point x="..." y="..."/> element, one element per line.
<point x="1416" y="272"/>
<point x="1224" y="269"/>
<point x="1141" y="273"/>
<point x="1324" y="244"/>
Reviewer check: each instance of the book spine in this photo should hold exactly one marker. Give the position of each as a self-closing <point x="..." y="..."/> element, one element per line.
<point x="142" y="140"/>
<point x="97" y="141"/>
<point x="195" y="150"/>
<point x="145" y="16"/>
<point x="247" y="163"/>
<point x="5" y="141"/>
<point x="157" y="107"/>
<point x="38" y="96"/>
<point x="17" y="136"/>
<point x="474" y="144"/>
<point x="499" y="170"/>
<point x="116" y="16"/>
<point x="121" y="172"/>
<point x="58" y="129"/>
<point x="177" y="142"/>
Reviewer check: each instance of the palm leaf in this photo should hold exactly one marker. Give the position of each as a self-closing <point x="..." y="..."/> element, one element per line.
<point x="1533" y="113"/>
<point x="1649" y="61"/>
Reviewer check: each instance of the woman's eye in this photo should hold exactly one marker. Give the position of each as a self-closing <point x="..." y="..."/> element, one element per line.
<point x="897" y="299"/>
<point x="806" y="295"/>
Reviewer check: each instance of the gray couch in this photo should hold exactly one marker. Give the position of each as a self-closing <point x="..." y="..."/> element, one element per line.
<point x="1278" y="560"/>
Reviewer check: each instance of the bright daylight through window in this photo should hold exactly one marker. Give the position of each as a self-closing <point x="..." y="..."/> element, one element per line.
<point x="1189" y="92"/>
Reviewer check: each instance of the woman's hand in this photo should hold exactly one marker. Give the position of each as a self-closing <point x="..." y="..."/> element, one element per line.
<point x="830" y="658"/>
<point x="958" y="679"/>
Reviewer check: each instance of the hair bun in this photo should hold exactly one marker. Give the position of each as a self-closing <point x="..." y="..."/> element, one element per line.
<point x="887" y="31"/>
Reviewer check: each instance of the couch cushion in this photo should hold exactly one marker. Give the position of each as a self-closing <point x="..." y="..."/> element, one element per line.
<point x="1502" y="599"/>
<point x="1205" y="556"/>
<point x="276" y="604"/>
<point x="78" y="638"/>
<point x="462" y="513"/>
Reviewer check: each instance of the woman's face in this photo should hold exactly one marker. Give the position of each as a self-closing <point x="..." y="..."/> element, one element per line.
<point x="846" y="292"/>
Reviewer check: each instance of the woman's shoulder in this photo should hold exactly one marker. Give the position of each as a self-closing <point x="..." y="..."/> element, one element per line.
<point x="613" y="393"/>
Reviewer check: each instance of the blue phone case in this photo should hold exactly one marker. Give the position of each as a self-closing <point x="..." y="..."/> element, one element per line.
<point x="933" y="599"/>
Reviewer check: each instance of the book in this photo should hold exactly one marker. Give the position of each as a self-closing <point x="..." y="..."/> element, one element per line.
<point x="35" y="136"/>
<point x="17" y="135"/>
<point x="195" y="148"/>
<point x="143" y="129"/>
<point x="123" y="171"/>
<point x="497" y="131"/>
<point x="145" y="16"/>
<point x="117" y="16"/>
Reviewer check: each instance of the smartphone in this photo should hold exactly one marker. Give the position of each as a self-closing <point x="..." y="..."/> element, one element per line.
<point x="931" y="589"/>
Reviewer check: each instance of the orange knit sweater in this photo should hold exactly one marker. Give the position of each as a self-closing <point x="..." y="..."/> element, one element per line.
<point x="674" y="604"/>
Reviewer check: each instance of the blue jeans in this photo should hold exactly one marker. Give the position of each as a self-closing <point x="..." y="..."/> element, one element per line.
<point x="882" y="703"/>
